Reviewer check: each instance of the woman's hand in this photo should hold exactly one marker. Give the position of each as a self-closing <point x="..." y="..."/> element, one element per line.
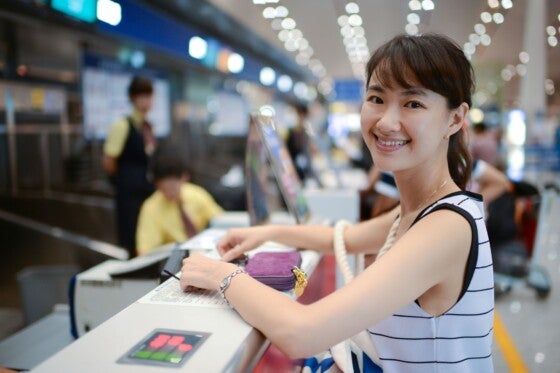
<point x="202" y="272"/>
<point x="239" y="240"/>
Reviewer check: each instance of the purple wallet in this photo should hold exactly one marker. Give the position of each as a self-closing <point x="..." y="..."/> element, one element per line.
<point x="279" y="270"/>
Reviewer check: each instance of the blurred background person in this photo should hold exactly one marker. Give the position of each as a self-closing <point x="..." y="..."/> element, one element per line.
<point x="297" y="142"/>
<point x="177" y="210"/>
<point x="484" y="144"/>
<point x="127" y="149"/>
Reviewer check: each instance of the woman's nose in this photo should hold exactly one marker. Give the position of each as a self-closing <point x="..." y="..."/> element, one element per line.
<point x="389" y="120"/>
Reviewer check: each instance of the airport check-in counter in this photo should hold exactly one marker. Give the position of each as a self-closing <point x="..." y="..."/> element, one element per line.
<point x="213" y="337"/>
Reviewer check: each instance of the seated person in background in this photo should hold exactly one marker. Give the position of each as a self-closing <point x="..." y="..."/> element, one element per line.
<point x="177" y="210"/>
<point x="488" y="181"/>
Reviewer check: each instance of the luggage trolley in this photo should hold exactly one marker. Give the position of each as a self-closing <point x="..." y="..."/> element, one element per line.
<point x="517" y="262"/>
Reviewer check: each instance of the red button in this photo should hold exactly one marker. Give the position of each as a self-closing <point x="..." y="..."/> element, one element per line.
<point x="175" y="341"/>
<point x="184" y="347"/>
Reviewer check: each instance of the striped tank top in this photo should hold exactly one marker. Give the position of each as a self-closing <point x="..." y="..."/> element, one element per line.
<point x="460" y="340"/>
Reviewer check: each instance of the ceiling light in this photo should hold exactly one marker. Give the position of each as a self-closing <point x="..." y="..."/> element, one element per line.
<point x="498" y="18"/>
<point x="325" y="86"/>
<point x="485" y="40"/>
<point x="269" y="12"/>
<point x="197" y="47"/>
<point x="550" y="30"/>
<point x="355" y="20"/>
<point x="428" y="5"/>
<point x="303" y="44"/>
<point x="288" y="23"/>
<point x="291" y="45"/>
<point x="235" y="63"/>
<point x="552" y="41"/>
<point x="284" y="83"/>
<point x="549" y="87"/>
<point x="469" y="48"/>
<point x="486" y="17"/>
<point x="493" y="3"/>
<point x="524" y="57"/>
<point x="521" y="69"/>
<point x="300" y="90"/>
<point x="474" y="39"/>
<point x="411" y="29"/>
<point x="413" y="18"/>
<point x="359" y="31"/>
<point x="414" y="5"/>
<point x="282" y="11"/>
<point x="109" y="12"/>
<point x="352" y="8"/>
<point x="284" y="35"/>
<point x="506" y="75"/>
<point x="343" y="20"/>
<point x="480" y="29"/>
<point x="267" y="76"/>
<point x="507" y="4"/>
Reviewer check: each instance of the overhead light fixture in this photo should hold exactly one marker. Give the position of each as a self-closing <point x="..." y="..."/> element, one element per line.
<point x="284" y="83"/>
<point x="109" y="12"/>
<point x="235" y="63"/>
<point x="291" y="37"/>
<point x="267" y="76"/>
<point x="198" y="47"/>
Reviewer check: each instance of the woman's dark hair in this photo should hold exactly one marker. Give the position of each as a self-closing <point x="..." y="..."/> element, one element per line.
<point x="438" y="64"/>
<point x="140" y="85"/>
<point x="167" y="161"/>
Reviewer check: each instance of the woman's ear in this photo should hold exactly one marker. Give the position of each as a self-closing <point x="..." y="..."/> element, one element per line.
<point x="457" y="121"/>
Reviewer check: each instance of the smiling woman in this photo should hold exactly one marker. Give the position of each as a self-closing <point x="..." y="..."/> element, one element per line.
<point x="427" y="302"/>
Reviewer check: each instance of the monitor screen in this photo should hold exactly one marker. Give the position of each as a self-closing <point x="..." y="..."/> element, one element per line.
<point x="256" y="177"/>
<point x="283" y="168"/>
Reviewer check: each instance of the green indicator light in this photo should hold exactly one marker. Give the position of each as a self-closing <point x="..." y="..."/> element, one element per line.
<point x="173" y="358"/>
<point x="159" y="355"/>
<point x="143" y="354"/>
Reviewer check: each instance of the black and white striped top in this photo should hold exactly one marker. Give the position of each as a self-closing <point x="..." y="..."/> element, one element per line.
<point x="460" y="340"/>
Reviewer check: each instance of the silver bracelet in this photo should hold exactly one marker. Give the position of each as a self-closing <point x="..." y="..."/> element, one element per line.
<point x="224" y="284"/>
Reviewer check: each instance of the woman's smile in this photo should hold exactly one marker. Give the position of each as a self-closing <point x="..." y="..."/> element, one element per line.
<point x="389" y="145"/>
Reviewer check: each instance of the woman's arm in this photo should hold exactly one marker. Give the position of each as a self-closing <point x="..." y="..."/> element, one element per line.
<point x="433" y="252"/>
<point x="367" y="236"/>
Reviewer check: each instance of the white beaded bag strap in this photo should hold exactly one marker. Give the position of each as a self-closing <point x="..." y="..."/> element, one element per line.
<point x="362" y="340"/>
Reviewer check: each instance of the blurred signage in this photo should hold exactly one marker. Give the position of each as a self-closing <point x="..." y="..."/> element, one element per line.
<point x="349" y="90"/>
<point x="84" y="10"/>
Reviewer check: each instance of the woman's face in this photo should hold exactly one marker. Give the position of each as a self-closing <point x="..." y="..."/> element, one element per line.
<point x="405" y="127"/>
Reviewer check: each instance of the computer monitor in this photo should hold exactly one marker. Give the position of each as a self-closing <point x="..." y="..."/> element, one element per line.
<point x="282" y="167"/>
<point x="256" y="177"/>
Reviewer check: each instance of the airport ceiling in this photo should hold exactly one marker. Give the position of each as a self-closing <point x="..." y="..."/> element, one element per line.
<point x="318" y="22"/>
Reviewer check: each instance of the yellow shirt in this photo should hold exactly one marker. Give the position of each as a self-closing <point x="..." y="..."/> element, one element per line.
<point x="116" y="138"/>
<point x="160" y="220"/>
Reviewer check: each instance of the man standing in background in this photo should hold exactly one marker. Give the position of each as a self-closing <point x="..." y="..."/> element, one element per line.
<point x="127" y="149"/>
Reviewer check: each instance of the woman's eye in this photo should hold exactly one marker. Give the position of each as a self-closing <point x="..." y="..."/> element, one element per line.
<point x="375" y="99"/>
<point x="414" y="105"/>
